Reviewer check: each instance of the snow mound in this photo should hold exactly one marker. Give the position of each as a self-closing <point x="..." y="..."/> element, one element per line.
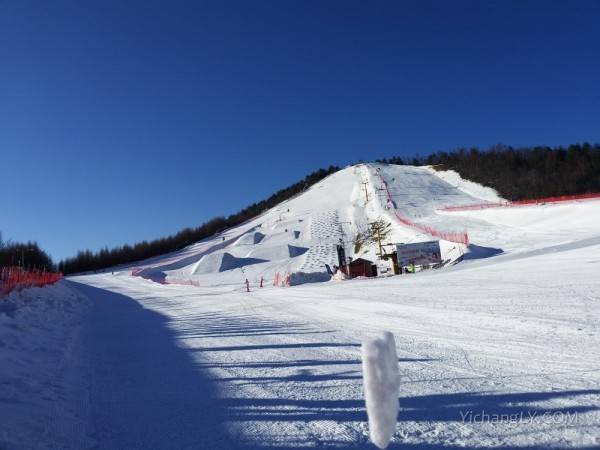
<point x="381" y="380"/>
<point x="339" y="276"/>
<point x="250" y="239"/>
<point x="209" y="263"/>
<point x="230" y="262"/>
<point x="222" y="262"/>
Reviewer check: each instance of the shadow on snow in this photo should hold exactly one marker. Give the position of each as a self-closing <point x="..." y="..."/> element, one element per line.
<point x="148" y="392"/>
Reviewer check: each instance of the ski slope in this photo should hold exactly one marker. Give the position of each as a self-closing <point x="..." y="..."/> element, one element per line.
<point x="283" y="365"/>
<point x="497" y="351"/>
<point x="300" y="235"/>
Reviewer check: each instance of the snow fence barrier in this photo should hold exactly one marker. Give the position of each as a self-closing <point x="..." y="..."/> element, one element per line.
<point x="381" y="380"/>
<point x="16" y="278"/>
<point x="535" y="201"/>
<point x="460" y="237"/>
<point x="281" y="279"/>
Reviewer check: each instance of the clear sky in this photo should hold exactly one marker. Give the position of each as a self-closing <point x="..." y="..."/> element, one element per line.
<point x="122" y="121"/>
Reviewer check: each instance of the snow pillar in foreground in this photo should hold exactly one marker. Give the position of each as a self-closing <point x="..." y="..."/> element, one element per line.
<point x="381" y="380"/>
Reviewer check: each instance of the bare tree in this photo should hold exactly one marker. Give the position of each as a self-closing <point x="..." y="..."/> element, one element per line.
<point x="376" y="233"/>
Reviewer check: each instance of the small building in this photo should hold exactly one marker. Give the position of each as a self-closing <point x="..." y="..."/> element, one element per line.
<point x="360" y="268"/>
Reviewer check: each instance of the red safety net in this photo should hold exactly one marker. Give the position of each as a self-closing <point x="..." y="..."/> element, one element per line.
<point x="281" y="279"/>
<point x="16" y="278"/>
<point x="535" y="201"/>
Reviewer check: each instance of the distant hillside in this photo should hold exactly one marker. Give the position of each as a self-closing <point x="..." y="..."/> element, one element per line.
<point x="524" y="173"/>
<point x="88" y="261"/>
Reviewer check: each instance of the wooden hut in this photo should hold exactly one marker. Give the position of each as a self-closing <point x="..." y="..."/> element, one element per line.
<point x="361" y="268"/>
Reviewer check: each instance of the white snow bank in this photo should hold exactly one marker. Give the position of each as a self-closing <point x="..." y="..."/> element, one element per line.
<point x="42" y="387"/>
<point x="468" y="187"/>
<point x="381" y="381"/>
<point x="339" y="276"/>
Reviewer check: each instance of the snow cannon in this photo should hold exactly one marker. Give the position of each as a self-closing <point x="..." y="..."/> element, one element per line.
<point x="381" y="381"/>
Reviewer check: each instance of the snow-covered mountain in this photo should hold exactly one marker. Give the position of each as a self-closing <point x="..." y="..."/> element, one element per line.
<point x="300" y="235"/>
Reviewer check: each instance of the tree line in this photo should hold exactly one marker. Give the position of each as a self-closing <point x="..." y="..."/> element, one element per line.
<point x="28" y="255"/>
<point x="522" y="173"/>
<point x="87" y="260"/>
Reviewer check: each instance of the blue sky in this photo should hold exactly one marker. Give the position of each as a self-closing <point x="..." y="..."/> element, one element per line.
<point x="122" y="121"/>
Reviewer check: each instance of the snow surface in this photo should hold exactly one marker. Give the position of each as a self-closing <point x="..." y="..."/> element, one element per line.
<point x="43" y="391"/>
<point x="500" y="350"/>
<point x="470" y="188"/>
<point x="518" y="337"/>
<point x="381" y="381"/>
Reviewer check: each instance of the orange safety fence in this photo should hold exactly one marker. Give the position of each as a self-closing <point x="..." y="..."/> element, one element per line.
<point x="454" y="236"/>
<point x="535" y="201"/>
<point x="16" y="278"/>
<point x="281" y="279"/>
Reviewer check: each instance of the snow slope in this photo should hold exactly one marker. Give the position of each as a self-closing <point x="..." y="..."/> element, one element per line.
<point x="515" y="339"/>
<point x="468" y="187"/>
<point x="499" y="351"/>
<point x="43" y="378"/>
<point x="300" y="235"/>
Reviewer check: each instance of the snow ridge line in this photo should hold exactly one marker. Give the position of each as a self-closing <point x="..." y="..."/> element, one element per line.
<point x="461" y="237"/>
<point x="535" y="201"/>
